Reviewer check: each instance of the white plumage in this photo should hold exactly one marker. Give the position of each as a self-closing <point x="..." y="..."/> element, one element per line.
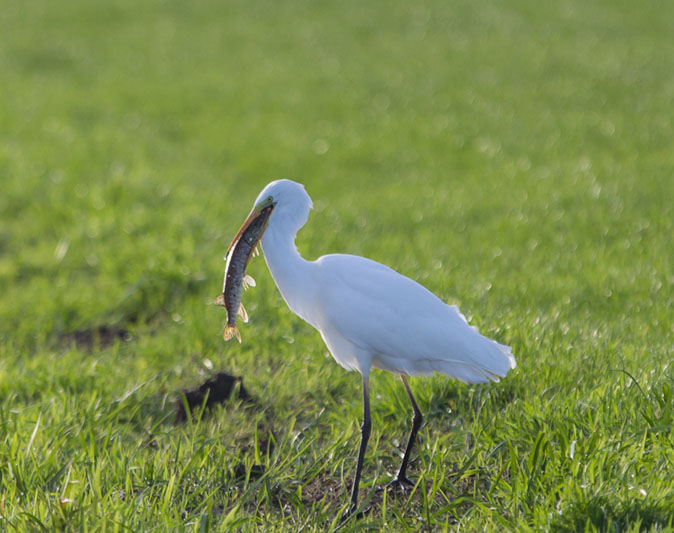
<point x="368" y="314"/>
<point x="371" y="316"/>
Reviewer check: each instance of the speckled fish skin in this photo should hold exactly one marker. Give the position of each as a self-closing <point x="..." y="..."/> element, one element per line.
<point x="235" y="273"/>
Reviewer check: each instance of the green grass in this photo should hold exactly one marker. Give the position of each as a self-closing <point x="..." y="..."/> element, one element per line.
<point x="516" y="158"/>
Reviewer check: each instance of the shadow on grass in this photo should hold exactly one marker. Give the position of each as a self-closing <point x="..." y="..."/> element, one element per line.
<point x="148" y="300"/>
<point x="609" y="514"/>
<point x="97" y="337"/>
<point x="152" y="296"/>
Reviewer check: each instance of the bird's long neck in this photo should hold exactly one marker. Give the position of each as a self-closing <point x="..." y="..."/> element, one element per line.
<point x="293" y="275"/>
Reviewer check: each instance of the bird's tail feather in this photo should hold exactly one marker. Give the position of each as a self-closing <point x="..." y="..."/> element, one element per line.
<point x="491" y="362"/>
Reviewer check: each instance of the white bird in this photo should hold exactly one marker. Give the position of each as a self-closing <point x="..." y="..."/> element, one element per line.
<point x="369" y="315"/>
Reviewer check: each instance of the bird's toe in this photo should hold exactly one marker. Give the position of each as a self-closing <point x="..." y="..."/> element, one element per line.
<point x="400" y="484"/>
<point x="353" y="512"/>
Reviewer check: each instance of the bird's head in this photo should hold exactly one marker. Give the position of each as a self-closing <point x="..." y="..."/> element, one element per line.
<point x="284" y="203"/>
<point x="288" y="195"/>
<point x="291" y="203"/>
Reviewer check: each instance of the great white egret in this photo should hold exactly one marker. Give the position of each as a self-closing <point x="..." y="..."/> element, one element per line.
<point x="369" y="315"/>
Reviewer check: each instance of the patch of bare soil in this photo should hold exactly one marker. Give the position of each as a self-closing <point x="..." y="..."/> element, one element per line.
<point x="213" y="391"/>
<point x="320" y="487"/>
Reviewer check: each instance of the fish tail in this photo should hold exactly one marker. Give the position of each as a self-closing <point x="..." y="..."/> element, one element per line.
<point x="231" y="331"/>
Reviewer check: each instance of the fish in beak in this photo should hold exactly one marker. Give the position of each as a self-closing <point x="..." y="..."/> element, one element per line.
<point x="242" y="247"/>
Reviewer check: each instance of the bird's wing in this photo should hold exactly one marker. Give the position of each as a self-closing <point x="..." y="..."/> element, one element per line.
<point x="402" y="324"/>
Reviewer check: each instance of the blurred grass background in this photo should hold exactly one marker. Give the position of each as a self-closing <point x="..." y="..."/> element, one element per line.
<point x="515" y="158"/>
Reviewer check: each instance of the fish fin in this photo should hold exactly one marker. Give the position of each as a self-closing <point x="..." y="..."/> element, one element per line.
<point x="248" y="281"/>
<point x="232" y="331"/>
<point x="220" y="300"/>
<point x="256" y="251"/>
<point x="242" y="313"/>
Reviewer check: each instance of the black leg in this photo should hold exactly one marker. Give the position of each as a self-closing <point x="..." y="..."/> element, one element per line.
<point x="364" y="436"/>
<point x="401" y="479"/>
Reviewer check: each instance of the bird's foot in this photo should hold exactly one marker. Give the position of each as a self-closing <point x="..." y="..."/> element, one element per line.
<point x="400" y="484"/>
<point x="353" y="512"/>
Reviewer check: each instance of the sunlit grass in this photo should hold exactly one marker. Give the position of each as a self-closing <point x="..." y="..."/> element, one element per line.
<point x="514" y="158"/>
